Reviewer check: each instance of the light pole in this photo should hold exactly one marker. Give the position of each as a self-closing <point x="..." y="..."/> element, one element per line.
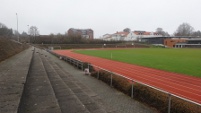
<point x="28" y="29"/>
<point x="17" y="28"/>
<point x="28" y="34"/>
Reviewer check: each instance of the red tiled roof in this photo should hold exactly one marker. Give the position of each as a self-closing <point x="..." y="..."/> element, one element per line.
<point x="122" y="33"/>
<point x="147" y="33"/>
<point x="138" y="32"/>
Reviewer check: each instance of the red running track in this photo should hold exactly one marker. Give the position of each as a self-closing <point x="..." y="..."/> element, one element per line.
<point x="184" y="86"/>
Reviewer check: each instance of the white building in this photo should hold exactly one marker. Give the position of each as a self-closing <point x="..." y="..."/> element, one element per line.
<point x="119" y="36"/>
<point x="107" y="37"/>
<point x="129" y="36"/>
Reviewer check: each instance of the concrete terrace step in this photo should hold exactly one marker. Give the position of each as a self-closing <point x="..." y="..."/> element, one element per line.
<point x="113" y="100"/>
<point x="13" y="73"/>
<point x="62" y="79"/>
<point x="49" y="85"/>
<point x="38" y="95"/>
<point x="68" y="101"/>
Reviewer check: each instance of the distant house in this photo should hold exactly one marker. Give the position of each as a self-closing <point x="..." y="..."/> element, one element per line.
<point x="85" y="33"/>
<point x="118" y="36"/>
<point x="130" y="36"/>
<point x="107" y="37"/>
<point x="155" y="39"/>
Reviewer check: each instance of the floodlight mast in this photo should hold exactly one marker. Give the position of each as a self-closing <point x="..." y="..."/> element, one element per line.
<point x="17" y="28"/>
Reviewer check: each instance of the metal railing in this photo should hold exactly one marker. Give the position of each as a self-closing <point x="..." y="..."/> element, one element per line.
<point x="80" y="64"/>
<point x="136" y="81"/>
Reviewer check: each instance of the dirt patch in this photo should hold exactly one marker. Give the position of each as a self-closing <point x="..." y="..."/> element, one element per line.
<point x="9" y="48"/>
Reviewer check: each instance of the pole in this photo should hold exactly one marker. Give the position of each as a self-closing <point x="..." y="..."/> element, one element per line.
<point x="88" y="67"/>
<point x="82" y="66"/>
<point x="111" y="81"/>
<point x="132" y="90"/>
<point x="17" y="28"/>
<point x="35" y="29"/>
<point x="28" y="34"/>
<point x="169" y="103"/>
<point x="98" y="74"/>
<point x="28" y="29"/>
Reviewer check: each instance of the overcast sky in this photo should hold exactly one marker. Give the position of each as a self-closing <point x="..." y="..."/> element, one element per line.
<point x="103" y="16"/>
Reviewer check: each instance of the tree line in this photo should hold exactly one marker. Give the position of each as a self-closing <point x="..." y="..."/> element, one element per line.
<point x="67" y="39"/>
<point x="4" y="31"/>
<point x="185" y="29"/>
<point x="33" y="36"/>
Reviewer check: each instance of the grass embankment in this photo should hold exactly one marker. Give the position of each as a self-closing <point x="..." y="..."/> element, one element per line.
<point x="184" y="61"/>
<point x="9" y="48"/>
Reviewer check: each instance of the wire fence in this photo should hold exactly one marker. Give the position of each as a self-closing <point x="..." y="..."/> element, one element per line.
<point x="90" y="68"/>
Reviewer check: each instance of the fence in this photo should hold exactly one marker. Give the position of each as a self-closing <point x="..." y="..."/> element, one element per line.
<point x="83" y="65"/>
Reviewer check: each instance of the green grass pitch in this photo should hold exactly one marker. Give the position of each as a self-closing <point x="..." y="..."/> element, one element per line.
<point x="185" y="61"/>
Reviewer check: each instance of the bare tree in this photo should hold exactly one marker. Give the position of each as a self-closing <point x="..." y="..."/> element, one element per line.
<point x="33" y="31"/>
<point x="161" y="32"/>
<point x="127" y="30"/>
<point x="197" y="33"/>
<point x="184" y="29"/>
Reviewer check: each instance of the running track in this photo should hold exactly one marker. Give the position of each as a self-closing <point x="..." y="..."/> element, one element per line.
<point x="178" y="84"/>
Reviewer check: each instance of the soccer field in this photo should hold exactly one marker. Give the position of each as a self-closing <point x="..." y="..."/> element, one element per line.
<point x="185" y="61"/>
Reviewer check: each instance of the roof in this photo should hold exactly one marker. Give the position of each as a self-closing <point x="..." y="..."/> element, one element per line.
<point x="79" y="29"/>
<point x="107" y="34"/>
<point x="194" y="39"/>
<point x="145" y="33"/>
<point x="122" y="33"/>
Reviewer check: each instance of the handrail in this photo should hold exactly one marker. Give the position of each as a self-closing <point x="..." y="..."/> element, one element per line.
<point x="150" y="86"/>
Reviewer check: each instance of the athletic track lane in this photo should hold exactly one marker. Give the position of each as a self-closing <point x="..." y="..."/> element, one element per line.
<point x="185" y="86"/>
